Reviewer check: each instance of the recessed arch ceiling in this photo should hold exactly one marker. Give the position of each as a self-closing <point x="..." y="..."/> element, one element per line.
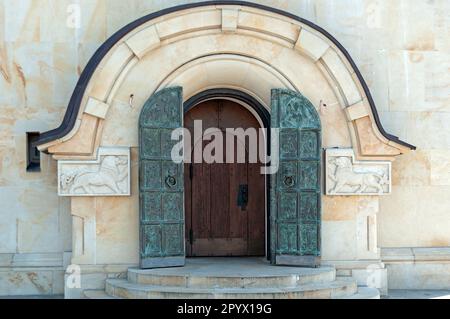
<point x="234" y="28"/>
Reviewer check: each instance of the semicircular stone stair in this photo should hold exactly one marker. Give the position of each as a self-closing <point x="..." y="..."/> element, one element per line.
<point x="238" y="283"/>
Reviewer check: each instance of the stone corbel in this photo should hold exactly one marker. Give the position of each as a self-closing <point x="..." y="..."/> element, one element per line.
<point x="83" y="141"/>
<point x="346" y="176"/>
<point x="108" y="175"/>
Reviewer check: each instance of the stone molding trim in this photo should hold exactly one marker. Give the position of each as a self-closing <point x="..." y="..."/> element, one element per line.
<point x="347" y="176"/>
<point x="108" y="175"/>
<point x="417" y="267"/>
<point x="23" y="260"/>
<point x="415" y="254"/>
<point x="80" y="133"/>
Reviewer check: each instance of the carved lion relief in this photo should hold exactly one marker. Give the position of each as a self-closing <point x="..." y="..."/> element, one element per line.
<point x="109" y="175"/>
<point x="346" y="176"/>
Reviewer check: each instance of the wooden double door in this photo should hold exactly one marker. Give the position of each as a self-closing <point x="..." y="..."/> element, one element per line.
<point x="224" y="202"/>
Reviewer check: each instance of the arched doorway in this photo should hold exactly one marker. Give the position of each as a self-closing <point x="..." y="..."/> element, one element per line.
<point x="224" y="196"/>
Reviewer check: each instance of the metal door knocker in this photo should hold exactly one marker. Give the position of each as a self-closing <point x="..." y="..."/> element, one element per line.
<point x="289" y="181"/>
<point x="171" y="181"/>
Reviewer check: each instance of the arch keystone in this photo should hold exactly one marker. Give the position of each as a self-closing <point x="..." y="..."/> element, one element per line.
<point x="189" y="22"/>
<point x="230" y="19"/>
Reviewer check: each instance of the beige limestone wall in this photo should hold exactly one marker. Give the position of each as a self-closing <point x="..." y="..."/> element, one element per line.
<point x="401" y="47"/>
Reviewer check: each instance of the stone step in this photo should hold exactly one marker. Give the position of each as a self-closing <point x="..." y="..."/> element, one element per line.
<point x="362" y="293"/>
<point x="229" y="277"/>
<point x="366" y="293"/>
<point x="121" y="288"/>
<point x="97" y="294"/>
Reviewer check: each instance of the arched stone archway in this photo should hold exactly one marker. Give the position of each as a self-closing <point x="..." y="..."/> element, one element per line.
<point x="160" y="46"/>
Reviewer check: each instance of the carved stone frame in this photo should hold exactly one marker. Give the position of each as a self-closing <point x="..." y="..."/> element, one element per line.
<point x="102" y="152"/>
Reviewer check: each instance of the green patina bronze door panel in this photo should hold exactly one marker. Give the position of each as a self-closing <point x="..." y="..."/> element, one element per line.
<point x="296" y="189"/>
<point x="161" y="184"/>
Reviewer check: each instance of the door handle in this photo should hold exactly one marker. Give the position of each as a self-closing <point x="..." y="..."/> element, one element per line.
<point x="289" y="181"/>
<point x="171" y="181"/>
<point x="243" y="197"/>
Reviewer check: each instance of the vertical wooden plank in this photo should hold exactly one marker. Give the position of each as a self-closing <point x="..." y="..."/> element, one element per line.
<point x="188" y="207"/>
<point x="201" y="201"/>
<point x="220" y="204"/>
<point x="238" y="216"/>
<point x="201" y="183"/>
<point x="256" y="211"/>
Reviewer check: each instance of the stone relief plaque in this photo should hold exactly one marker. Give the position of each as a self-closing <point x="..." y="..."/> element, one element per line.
<point x="108" y="175"/>
<point x="346" y="176"/>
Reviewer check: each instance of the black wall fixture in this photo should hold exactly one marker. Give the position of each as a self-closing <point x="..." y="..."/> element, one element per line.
<point x="33" y="154"/>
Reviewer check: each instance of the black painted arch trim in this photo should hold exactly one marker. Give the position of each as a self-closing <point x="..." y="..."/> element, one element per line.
<point x="75" y="101"/>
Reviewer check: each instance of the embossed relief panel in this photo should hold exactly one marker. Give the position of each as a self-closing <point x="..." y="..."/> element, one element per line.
<point x="309" y="239"/>
<point x="164" y="112"/>
<point x="161" y="182"/>
<point x="347" y="176"/>
<point x="287" y="236"/>
<point x="288" y="207"/>
<point x="156" y="143"/>
<point x="108" y="175"/>
<point x="309" y="144"/>
<point x="150" y="173"/>
<point x="172" y="206"/>
<point x="309" y="175"/>
<point x="295" y="189"/>
<point x="151" y="239"/>
<point x="150" y="207"/>
<point x="309" y="207"/>
<point x="289" y="144"/>
<point x="150" y="143"/>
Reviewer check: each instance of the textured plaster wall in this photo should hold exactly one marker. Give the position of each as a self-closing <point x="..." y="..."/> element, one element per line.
<point x="401" y="47"/>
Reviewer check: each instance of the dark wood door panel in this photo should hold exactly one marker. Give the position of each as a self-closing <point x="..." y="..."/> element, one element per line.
<point x="217" y="225"/>
<point x="256" y="208"/>
<point x="220" y="205"/>
<point x="220" y="247"/>
<point x="238" y="215"/>
<point x="201" y="201"/>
